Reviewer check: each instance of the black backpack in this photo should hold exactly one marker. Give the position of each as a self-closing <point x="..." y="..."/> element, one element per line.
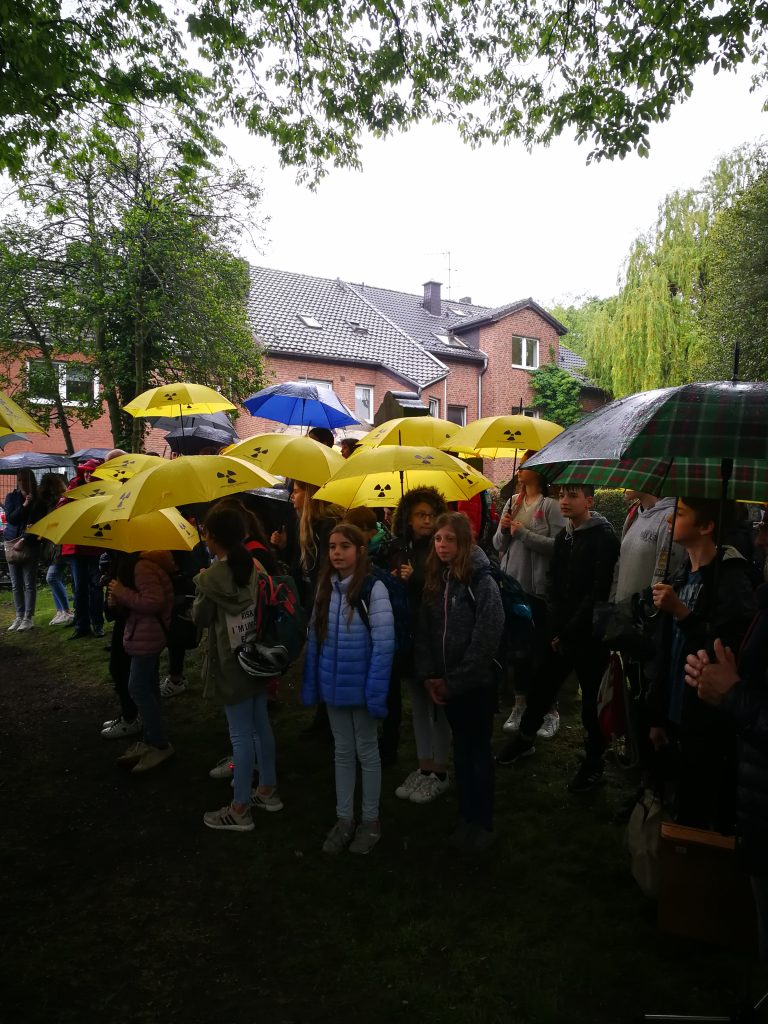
<point x="515" y="641"/>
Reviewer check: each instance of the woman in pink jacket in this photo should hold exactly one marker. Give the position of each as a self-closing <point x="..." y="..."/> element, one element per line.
<point x="148" y="598"/>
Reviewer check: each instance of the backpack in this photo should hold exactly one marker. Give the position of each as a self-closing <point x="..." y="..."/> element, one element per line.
<point x="518" y="618"/>
<point x="398" y="598"/>
<point x="182" y="632"/>
<point x="280" y="618"/>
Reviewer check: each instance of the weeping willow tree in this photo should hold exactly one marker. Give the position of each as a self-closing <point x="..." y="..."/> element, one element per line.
<point x="652" y="333"/>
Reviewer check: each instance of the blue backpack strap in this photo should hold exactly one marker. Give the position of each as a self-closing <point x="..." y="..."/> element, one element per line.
<point x="363" y="602"/>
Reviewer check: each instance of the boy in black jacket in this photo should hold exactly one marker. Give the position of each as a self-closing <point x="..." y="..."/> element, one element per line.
<point x="581" y="574"/>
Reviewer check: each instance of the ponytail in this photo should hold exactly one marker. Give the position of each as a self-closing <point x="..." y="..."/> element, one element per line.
<point x="227" y="527"/>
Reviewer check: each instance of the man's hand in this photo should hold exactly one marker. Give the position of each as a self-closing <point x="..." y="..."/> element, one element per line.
<point x="658" y="737"/>
<point x="436" y="689"/>
<point x="666" y="600"/>
<point x="714" y="679"/>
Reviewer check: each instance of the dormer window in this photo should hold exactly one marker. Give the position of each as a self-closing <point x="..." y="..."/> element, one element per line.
<point x="357" y="327"/>
<point x="450" y="341"/>
<point x="310" y="321"/>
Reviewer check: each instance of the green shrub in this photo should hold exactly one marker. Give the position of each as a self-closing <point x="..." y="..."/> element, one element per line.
<point x="609" y="502"/>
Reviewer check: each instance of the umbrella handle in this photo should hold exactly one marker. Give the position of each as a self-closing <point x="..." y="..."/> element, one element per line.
<point x="665" y="578"/>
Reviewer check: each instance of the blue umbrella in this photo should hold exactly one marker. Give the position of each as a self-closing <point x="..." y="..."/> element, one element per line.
<point x="7" y="438"/>
<point x="299" y="403"/>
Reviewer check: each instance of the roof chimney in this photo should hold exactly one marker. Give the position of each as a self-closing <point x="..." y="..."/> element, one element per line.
<point x="432" y="302"/>
<point x="467" y="299"/>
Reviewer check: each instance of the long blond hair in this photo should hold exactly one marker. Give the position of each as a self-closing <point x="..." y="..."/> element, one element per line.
<point x="361" y="570"/>
<point x="461" y="569"/>
<point x="312" y="511"/>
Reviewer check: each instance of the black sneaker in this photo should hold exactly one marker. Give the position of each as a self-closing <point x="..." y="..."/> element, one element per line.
<point x="515" y="748"/>
<point x="586" y="778"/>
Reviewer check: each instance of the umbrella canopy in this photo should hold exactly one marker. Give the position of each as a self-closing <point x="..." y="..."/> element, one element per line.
<point x="123" y="467"/>
<point x="178" y="400"/>
<point x="219" y="420"/>
<point x="410" y="430"/>
<point x="502" y="437"/>
<point x="87" y="522"/>
<point x="91" y="453"/>
<point x="190" y="440"/>
<point x="34" y="460"/>
<point x="8" y="436"/>
<point x="299" y="403"/>
<point x="299" y="457"/>
<point x="95" y="489"/>
<point x="13" y="417"/>
<point x="184" y="481"/>
<point x="378" y="477"/>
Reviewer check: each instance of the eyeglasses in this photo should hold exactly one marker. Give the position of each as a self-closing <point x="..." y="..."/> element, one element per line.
<point x="424" y="515"/>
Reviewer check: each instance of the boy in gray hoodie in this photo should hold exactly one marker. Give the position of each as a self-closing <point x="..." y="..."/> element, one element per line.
<point x="645" y="546"/>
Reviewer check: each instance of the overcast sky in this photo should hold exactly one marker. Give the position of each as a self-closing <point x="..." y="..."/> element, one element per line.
<point x="516" y="224"/>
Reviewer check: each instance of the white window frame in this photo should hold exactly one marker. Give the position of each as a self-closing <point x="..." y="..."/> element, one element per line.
<point x="328" y="384"/>
<point x="434" y="407"/>
<point x="525" y="365"/>
<point x="61" y="366"/>
<point x="463" y="414"/>
<point x="369" y="389"/>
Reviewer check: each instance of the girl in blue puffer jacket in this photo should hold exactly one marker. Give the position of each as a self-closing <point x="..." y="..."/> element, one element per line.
<point x="348" y="665"/>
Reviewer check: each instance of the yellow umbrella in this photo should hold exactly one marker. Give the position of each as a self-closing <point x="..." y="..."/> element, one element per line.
<point x="88" y="522"/>
<point x="95" y="489"/>
<point x="178" y="400"/>
<point x="123" y="467"/>
<point x="410" y="430"/>
<point x="300" y="457"/>
<point x="502" y="437"/>
<point x="184" y="481"/>
<point x="378" y="477"/>
<point x="14" y="417"/>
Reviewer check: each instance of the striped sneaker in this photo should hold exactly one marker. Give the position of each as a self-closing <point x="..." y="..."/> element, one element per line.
<point x="228" y="820"/>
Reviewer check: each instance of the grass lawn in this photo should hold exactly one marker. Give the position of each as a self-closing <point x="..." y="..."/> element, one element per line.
<point x="118" y="905"/>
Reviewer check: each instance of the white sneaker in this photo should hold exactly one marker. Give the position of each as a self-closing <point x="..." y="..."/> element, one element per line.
<point x="55" y="620"/>
<point x="119" y="728"/>
<point x="170" y="689"/>
<point x="410" y="784"/>
<point x="512" y="724"/>
<point x="223" y="769"/>
<point x="25" y="625"/>
<point x="61" y="618"/>
<point x="550" y="725"/>
<point x="16" y="623"/>
<point x="430" y="789"/>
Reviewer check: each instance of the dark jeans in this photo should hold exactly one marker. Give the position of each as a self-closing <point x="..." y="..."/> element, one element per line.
<point x="176" y="657"/>
<point x="120" y="670"/>
<point x="389" y="739"/>
<point x="89" y="597"/>
<point x="144" y="688"/>
<point x="471" y="720"/>
<point x="588" y="662"/>
<point x="526" y="667"/>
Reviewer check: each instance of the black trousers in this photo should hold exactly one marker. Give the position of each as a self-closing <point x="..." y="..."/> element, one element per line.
<point x="471" y="719"/>
<point x="389" y="739"/>
<point x="589" y="663"/>
<point x="120" y="670"/>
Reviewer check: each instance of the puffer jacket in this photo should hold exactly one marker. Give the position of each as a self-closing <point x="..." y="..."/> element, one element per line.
<point x="458" y="632"/>
<point x="222" y="606"/>
<point x="352" y="666"/>
<point x="149" y="603"/>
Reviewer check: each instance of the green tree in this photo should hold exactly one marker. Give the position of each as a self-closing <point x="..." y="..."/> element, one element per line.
<point x="577" y="316"/>
<point x="556" y="394"/>
<point x="651" y="334"/>
<point x="737" y="267"/>
<point x="149" y="260"/>
<point x="312" y="77"/>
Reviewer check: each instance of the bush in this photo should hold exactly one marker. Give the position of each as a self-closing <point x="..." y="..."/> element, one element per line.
<point x="609" y="502"/>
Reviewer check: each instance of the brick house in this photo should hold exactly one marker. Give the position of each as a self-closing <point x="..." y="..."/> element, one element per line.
<point x="462" y="359"/>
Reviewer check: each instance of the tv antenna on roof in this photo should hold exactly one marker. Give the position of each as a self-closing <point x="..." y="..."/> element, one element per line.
<point x="445" y="252"/>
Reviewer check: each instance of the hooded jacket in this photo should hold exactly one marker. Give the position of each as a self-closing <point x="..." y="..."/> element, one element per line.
<point x="644" y="547"/>
<point x="459" y="630"/>
<point x="149" y="604"/>
<point x="223" y="607"/>
<point x="526" y="554"/>
<point x="580" y="574"/>
<point x="352" y="665"/>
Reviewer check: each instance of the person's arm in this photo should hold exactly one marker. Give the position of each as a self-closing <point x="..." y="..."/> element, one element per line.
<point x="423" y="657"/>
<point x="309" y="683"/>
<point x="147" y="596"/>
<point x="16" y="511"/>
<point x="544" y="543"/>
<point x="203" y="609"/>
<point x="382" y="627"/>
<point x="484" y="643"/>
<point x="500" y="538"/>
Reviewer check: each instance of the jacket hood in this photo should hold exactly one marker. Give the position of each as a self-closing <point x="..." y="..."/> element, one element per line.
<point x="218" y="584"/>
<point x="164" y="559"/>
<point x="478" y="558"/>
<point x="595" y="520"/>
<point x="663" y="507"/>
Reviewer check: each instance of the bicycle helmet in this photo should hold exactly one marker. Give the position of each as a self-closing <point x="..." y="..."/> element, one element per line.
<point x="261" y="661"/>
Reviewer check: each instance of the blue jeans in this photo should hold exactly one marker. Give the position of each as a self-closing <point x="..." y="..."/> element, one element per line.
<point x="89" y="597"/>
<point x="55" y="580"/>
<point x="24" y="585"/>
<point x="252" y="739"/>
<point x="144" y="688"/>
<point x="355" y="735"/>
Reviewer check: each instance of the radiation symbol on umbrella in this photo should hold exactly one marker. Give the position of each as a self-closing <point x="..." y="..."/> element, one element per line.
<point x="122" y="499"/>
<point x="259" y="451"/>
<point x="99" y="494"/>
<point x="101" y="529"/>
<point x="170" y="395"/>
<point x="229" y="477"/>
<point x="424" y="459"/>
<point x="467" y="477"/>
<point x="380" y="490"/>
<point x="511" y="434"/>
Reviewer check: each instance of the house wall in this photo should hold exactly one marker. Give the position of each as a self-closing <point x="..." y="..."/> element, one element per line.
<point x="503" y="385"/>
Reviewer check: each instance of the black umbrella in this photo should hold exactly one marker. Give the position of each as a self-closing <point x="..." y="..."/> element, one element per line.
<point x="34" y="460"/>
<point x="218" y="420"/>
<point x="91" y="453"/>
<point x="190" y="440"/>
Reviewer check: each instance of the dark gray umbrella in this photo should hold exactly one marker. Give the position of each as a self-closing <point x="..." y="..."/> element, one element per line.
<point x="91" y="453"/>
<point x="8" y="438"/>
<point x="218" y="420"/>
<point x="190" y="440"/>
<point x="34" y="460"/>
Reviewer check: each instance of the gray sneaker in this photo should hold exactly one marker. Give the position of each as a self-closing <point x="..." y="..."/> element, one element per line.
<point x="266" y="803"/>
<point x="340" y="836"/>
<point x="368" y="833"/>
